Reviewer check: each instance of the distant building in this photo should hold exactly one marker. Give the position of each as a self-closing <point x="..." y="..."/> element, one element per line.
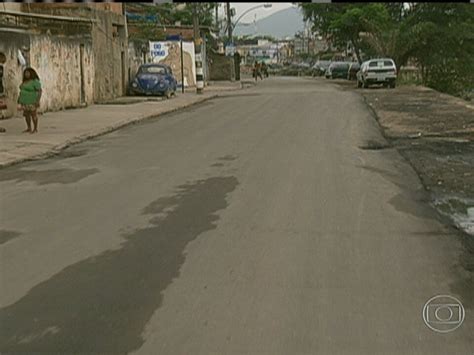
<point x="266" y="51"/>
<point x="307" y="42"/>
<point x="300" y="46"/>
<point x="318" y="44"/>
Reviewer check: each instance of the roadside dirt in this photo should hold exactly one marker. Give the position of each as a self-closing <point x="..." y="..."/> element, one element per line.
<point x="435" y="133"/>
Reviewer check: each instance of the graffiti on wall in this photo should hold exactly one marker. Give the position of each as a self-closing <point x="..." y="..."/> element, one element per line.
<point x="169" y="53"/>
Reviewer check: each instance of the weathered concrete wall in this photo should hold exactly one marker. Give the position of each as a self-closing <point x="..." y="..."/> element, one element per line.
<point x="135" y="57"/>
<point x="59" y="7"/>
<point x="53" y="48"/>
<point x="58" y="64"/>
<point x="10" y="44"/>
<point x="109" y="43"/>
<point x="11" y="6"/>
<point x="111" y="56"/>
<point x="220" y="67"/>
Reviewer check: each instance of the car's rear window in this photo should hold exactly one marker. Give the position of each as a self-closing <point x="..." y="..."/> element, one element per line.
<point x="379" y="63"/>
<point x="152" y="70"/>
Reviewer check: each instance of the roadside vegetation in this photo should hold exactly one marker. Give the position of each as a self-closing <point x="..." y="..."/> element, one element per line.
<point x="437" y="37"/>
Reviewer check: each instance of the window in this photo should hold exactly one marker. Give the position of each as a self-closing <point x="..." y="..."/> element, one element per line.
<point x="153" y="70"/>
<point x="373" y="64"/>
<point x="3" y="59"/>
<point x="1" y="80"/>
<point x="388" y="63"/>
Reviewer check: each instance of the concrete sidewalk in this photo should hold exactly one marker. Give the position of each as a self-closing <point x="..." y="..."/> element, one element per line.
<point x="58" y="130"/>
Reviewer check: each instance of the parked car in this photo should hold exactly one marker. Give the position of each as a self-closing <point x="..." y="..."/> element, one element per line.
<point x="320" y="67"/>
<point x="377" y="71"/>
<point x="303" y="65"/>
<point x="352" y="72"/>
<point x="274" y="69"/>
<point x="337" y="70"/>
<point x="289" y="70"/>
<point x="296" y="69"/>
<point x="154" y="79"/>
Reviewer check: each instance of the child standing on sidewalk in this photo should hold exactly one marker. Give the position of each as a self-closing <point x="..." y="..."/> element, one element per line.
<point x="29" y="99"/>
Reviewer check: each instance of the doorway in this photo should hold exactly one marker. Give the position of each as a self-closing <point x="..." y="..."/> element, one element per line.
<point x="81" y="66"/>
<point x="124" y="73"/>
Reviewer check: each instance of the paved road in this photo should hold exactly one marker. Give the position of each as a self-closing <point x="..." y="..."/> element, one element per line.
<point x="252" y="224"/>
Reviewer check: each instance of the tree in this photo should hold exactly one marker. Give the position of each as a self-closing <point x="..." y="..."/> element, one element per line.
<point x="439" y="37"/>
<point x="344" y="23"/>
<point x="392" y="37"/>
<point x="183" y="12"/>
<point x="152" y="19"/>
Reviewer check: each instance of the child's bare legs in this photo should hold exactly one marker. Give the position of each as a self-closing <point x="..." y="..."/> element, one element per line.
<point x="28" y="121"/>
<point x="34" y="117"/>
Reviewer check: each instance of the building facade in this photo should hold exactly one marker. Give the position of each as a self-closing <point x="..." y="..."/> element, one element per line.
<point x="109" y="42"/>
<point x="80" y="52"/>
<point x="59" y="49"/>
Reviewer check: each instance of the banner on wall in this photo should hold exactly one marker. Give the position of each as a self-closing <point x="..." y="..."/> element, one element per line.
<point x="169" y="53"/>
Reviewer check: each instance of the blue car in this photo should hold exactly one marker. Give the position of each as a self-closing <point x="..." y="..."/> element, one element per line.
<point x="154" y="79"/>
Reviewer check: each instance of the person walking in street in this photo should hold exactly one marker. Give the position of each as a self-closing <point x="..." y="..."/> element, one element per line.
<point x="264" y="69"/>
<point x="29" y="98"/>
<point x="257" y="71"/>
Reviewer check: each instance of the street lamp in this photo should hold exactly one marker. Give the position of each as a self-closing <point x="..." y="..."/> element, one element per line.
<point x="231" y="26"/>
<point x="266" y="6"/>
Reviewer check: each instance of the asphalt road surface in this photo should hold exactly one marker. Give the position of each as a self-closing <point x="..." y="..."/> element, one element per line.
<point x="256" y="223"/>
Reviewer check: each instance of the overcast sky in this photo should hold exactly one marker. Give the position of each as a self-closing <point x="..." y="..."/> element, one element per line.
<point x="241" y="7"/>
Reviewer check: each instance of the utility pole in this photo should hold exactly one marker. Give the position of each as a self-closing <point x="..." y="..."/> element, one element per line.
<point x="197" y="51"/>
<point x="182" y="61"/>
<point x="229" y="22"/>
<point x="278" y="51"/>
<point x="217" y="18"/>
<point x="230" y="41"/>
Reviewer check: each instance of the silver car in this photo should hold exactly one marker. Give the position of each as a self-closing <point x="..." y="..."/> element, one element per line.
<point x="377" y="71"/>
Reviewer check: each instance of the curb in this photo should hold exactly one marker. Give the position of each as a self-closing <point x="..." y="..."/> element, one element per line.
<point x="78" y="139"/>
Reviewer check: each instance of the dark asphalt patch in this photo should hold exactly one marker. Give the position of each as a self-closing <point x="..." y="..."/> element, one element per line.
<point x="6" y="235"/>
<point x="71" y="153"/>
<point x="237" y="95"/>
<point x="412" y="199"/>
<point x="410" y="202"/>
<point x="228" y="157"/>
<point x="374" y="145"/>
<point x="44" y="177"/>
<point x="390" y="176"/>
<point x="102" y="304"/>
<point x="464" y="285"/>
